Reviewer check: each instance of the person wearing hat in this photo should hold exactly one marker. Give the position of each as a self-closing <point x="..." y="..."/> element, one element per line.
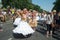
<point x="54" y="20"/>
<point x="59" y="18"/>
<point x="58" y="21"/>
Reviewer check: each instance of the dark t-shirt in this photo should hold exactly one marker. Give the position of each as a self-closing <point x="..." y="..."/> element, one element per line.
<point x="56" y="19"/>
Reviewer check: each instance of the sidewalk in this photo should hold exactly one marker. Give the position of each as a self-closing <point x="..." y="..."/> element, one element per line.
<point x="42" y="31"/>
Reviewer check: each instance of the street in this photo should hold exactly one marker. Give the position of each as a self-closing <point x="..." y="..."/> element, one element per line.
<point x="40" y="34"/>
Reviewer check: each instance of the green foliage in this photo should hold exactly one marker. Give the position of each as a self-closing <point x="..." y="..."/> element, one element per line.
<point x="57" y="5"/>
<point x="36" y="7"/>
<point x="21" y="4"/>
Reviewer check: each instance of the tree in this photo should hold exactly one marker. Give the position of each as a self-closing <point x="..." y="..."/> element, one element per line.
<point x="36" y="7"/>
<point x="15" y="3"/>
<point x="56" y="5"/>
<point x="21" y="4"/>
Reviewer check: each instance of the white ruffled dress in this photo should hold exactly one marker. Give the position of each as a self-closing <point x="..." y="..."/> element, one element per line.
<point x="23" y="28"/>
<point x="17" y="21"/>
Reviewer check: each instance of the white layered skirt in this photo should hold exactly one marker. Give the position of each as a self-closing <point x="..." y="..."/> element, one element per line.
<point x="23" y="28"/>
<point x="17" y="21"/>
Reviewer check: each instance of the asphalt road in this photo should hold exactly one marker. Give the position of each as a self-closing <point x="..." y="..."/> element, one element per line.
<point x="40" y="34"/>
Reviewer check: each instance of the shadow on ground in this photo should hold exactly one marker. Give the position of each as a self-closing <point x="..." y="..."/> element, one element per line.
<point x="20" y="36"/>
<point x="41" y="30"/>
<point x="56" y="35"/>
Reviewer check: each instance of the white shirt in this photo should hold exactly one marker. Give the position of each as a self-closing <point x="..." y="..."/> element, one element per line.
<point x="49" y="19"/>
<point x="43" y="17"/>
<point x="4" y="13"/>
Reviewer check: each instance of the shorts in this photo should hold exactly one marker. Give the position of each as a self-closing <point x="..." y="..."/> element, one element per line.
<point x="49" y="27"/>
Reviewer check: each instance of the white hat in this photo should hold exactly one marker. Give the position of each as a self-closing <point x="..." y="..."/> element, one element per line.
<point x="54" y="10"/>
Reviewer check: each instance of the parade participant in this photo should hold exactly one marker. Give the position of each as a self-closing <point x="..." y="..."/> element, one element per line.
<point x="1" y="20"/>
<point x="18" y="18"/>
<point x="23" y="28"/>
<point x="44" y="15"/>
<point x="29" y="16"/>
<point x="4" y="14"/>
<point x="15" y="15"/>
<point x="26" y="12"/>
<point x="43" y="19"/>
<point x="37" y="16"/>
<point x="8" y="10"/>
<point x="54" y="20"/>
<point x="48" y="23"/>
<point x="1" y="16"/>
<point x="13" y="11"/>
<point x="33" y="21"/>
<point x="58" y="20"/>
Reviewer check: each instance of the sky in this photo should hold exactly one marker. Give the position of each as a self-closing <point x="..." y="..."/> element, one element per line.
<point x="44" y="4"/>
<point x="0" y="0"/>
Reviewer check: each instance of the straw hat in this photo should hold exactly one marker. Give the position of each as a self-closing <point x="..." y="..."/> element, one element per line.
<point x="54" y="10"/>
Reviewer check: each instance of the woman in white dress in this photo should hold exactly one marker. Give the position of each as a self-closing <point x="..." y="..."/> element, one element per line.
<point x="23" y="28"/>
